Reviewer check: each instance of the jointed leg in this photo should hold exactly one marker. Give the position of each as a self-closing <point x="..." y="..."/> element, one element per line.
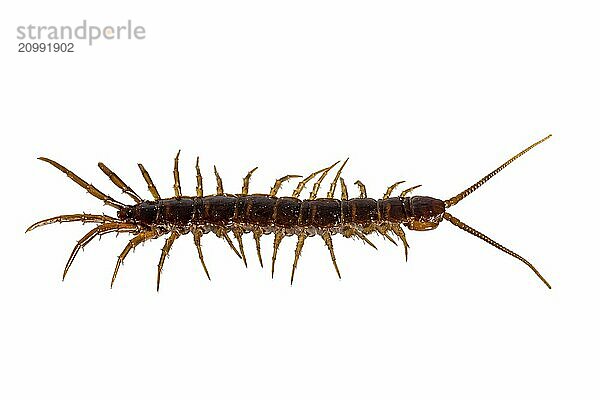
<point x="334" y="182"/>
<point x="276" y="242"/>
<point x="299" y="246"/>
<point x="238" y="235"/>
<point x="362" y="188"/>
<point x="304" y="181"/>
<point x="97" y="231"/>
<point x="397" y="229"/>
<point x="389" y="190"/>
<point x="219" y="182"/>
<point x="87" y="186"/>
<point x="246" y="184"/>
<point x="362" y="236"/>
<point x="133" y="243"/>
<point x="383" y="232"/>
<point x="197" y="235"/>
<point x="163" y="256"/>
<point x="407" y="191"/>
<point x="85" y="218"/>
<point x="149" y="182"/>
<point x="313" y="193"/>
<point x="177" y="185"/>
<point x="327" y="238"/>
<point x="278" y="183"/>
<point x="119" y="183"/>
<point x="224" y="235"/>
<point x="257" y="234"/>
<point x="344" y="189"/>
<point x="198" y="178"/>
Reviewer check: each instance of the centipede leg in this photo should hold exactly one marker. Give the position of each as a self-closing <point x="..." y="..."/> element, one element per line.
<point x="91" y="189"/>
<point x="299" y="246"/>
<point x="85" y="218"/>
<point x="219" y="182"/>
<point x="279" y="182"/>
<point x="246" y="183"/>
<point x="163" y="255"/>
<point x="276" y="242"/>
<point x="382" y="231"/>
<point x="344" y="195"/>
<point x="334" y="182"/>
<point x="238" y="235"/>
<point x="304" y="181"/>
<point x="197" y="235"/>
<point x="225" y="236"/>
<point x="177" y="184"/>
<point x="362" y="188"/>
<point x="97" y="231"/>
<point x="133" y="243"/>
<point x="114" y="178"/>
<point x="315" y="189"/>
<point x="363" y="237"/>
<point x="400" y="233"/>
<point x="390" y="189"/>
<point x="257" y="234"/>
<point x="149" y="182"/>
<point x="199" y="190"/>
<point x="327" y="238"/>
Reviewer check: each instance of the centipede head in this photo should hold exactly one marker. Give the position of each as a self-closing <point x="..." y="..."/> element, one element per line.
<point x="427" y="213"/>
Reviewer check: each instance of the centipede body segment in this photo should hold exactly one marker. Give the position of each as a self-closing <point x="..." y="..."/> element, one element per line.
<point x="227" y="215"/>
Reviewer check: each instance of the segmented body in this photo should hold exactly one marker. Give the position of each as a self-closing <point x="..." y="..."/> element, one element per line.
<point x="263" y="214"/>
<point x="288" y="215"/>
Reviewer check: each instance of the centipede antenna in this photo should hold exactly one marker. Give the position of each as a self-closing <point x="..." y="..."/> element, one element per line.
<point x="91" y="189"/>
<point x="199" y="191"/>
<point x="119" y="183"/>
<point x="163" y="255"/>
<point x="455" y="221"/>
<point x="219" y="181"/>
<point x="246" y="184"/>
<point x="151" y="187"/>
<point x="362" y="188"/>
<point x="454" y="200"/>
<point x="177" y="185"/>
<point x="334" y="182"/>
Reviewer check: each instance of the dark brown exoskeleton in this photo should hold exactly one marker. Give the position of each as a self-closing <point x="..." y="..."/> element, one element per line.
<point x="262" y="214"/>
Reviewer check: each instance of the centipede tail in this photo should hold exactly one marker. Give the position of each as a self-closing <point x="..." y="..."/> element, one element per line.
<point x="224" y="214"/>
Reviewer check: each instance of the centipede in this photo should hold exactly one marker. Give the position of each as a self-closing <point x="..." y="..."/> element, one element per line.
<point x="236" y="215"/>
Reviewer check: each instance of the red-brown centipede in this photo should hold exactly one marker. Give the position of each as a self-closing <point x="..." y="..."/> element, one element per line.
<point x="262" y="214"/>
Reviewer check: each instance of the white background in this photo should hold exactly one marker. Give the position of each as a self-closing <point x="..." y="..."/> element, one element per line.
<point x="438" y="93"/>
